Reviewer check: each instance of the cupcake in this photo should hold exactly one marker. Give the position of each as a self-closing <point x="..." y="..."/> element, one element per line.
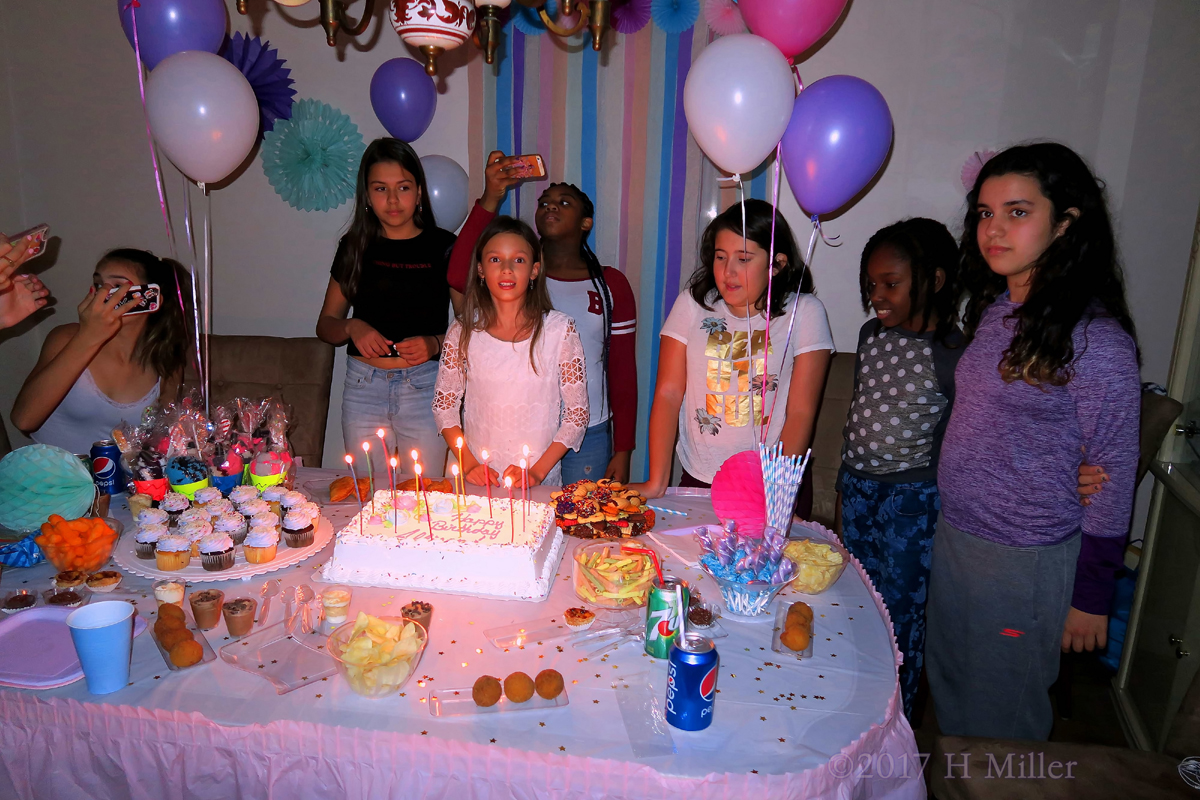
<point x="206" y="495"/>
<point x="173" y="552"/>
<point x="274" y="496"/>
<point x="216" y="552"/>
<point x="174" y="504"/>
<point x="311" y="509"/>
<point x="579" y="619"/>
<point x="297" y="529"/>
<point x="260" y="545"/>
<point x="242" y="494"/>
<point x="219" y="507"/>
<point x="153" y="516"/>
<point x="253" y="508"/>
<point x="265" y="520"/>
<point x="147" y="537"/>
<point x="232" y="524"/>
<point x="195" y="531"/>
<point x="71" y="579"/>
<point x="193" y="514"/>
<point x="291" y="501"/>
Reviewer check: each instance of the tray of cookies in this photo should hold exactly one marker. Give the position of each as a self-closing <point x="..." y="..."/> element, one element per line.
<point x="601" y="509"/>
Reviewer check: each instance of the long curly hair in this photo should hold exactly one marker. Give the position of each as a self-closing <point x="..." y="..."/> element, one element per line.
<point x="927" y="246"/>
<point x="1077" y="276"/>
<point x="795" y="277"/>
<point x="364" y="225"/>
<point x="479" y="310"/>
<point x="163" y="344"/>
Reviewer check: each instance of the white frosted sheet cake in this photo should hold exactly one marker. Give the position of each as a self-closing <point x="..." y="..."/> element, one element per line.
<point x="469" y="551"/>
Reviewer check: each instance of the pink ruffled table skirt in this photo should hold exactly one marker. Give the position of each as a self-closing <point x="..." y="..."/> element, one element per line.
<point x="828" y="727"/>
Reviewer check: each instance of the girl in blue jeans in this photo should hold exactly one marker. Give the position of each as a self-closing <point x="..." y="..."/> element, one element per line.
<point x="390" y="270"/>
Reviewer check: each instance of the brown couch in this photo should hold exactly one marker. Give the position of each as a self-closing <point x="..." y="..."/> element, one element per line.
<point x="299" y="371"/>
<point x="827" y="439"/>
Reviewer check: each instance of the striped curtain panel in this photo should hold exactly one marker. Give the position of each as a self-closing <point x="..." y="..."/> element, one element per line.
<point x="612" y="123"/>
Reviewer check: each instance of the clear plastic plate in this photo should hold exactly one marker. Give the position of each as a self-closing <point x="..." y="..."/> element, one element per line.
<point x="458" y="703"/>
<point x="288" y="661"/>
<point x="534" y="631"/>
<point x="780" y="617"/>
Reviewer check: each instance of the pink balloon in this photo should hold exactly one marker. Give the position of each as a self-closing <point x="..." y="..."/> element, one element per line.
<point x="791" y="25"/>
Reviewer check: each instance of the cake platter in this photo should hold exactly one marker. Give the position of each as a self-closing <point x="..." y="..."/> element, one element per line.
<point x="125" y="555"/>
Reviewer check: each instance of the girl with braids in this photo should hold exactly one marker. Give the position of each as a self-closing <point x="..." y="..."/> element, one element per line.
<point x="94" y="374"/>
<point x="1022" y="570"/>
<point x="904" y="386"/>
<point x="390" y="268"/>
<point x="599" y="300"/>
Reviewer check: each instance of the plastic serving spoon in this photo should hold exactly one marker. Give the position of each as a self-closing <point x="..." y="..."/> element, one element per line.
<point x="269" y="589"/>
<point x="304" y="596"/>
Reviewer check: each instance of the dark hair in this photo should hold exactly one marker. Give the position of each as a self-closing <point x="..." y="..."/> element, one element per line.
<point x="792" y="278"/>
<point x="364" y="225"/>
<point x="1078" y="275"/>
<point x="479" y="312"/>
<point x="163" y="344"/>
<point x="927" y="246"/>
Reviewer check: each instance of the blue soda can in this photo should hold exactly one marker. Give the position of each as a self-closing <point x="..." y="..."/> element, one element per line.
<point x="106" y="467"/>
<point x="691" y="682"/>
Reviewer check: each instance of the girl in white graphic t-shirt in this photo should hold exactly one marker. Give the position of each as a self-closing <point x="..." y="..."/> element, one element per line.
<point x="714" y="356"/>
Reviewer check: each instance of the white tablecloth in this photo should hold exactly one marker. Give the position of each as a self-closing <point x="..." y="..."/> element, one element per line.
<point x="782" y="728"/>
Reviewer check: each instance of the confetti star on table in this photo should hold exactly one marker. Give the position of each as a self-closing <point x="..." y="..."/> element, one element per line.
<point x="764" y="719"/>
<point x="156" y="677"/>
<point x="562" y="749"/>
<point x="454" y="641"/>
<point x="597" y="702"/>
<point x="424" y="733"/>
<point x="804" y="696"/>
<point x="754" y="771"/>
<point x="733" y="674"/>
<point x="402" y="694"/>
<point x="493" y="741"/>
<point x="782" y="739"/>
<point x="541" y="724"/>
<point x="260" y="666"/>
<point x="760" y="691"/>
<point x="319" y="697"/>
<point x="597" y="674"/>
<point x="793" y="708"/>
<point x="820" y="676"/>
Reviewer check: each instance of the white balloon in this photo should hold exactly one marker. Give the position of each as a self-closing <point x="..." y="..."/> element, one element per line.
<point x="203" y="114"/>
<point x="448" y="189"/>
<point x="738" y="98"/>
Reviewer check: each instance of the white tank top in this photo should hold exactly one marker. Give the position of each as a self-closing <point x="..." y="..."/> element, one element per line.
<point x="87" y="415"/>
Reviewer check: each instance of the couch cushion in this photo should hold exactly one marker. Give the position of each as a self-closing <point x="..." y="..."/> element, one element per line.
<point x="827" y="438"/>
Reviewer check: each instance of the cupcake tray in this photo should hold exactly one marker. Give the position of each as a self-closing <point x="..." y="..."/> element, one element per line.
<point x="125" y="555"/>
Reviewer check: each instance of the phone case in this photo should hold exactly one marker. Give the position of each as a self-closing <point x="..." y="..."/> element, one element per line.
<point x="145" y="299"/>
<point x="530" y="167"/>
<point x="40" y="234"/>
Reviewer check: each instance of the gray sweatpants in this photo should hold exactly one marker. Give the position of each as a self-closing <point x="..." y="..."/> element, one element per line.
<point x="994" y="633"/>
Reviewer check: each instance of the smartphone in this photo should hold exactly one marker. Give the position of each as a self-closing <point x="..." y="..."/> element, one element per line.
<point x="40" y="234"/>
<point x="529" y="167"/>
<point x="140" y="299"/>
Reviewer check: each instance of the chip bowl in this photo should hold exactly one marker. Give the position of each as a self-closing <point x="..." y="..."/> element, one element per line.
<point x="376" y="680"/>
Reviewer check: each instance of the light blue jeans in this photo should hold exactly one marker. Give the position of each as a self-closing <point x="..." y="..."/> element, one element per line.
<point x="401" y="402"/>
<point x="592" y="459"/>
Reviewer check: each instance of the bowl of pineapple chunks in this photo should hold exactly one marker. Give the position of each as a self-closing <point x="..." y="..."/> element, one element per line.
<point x="377" y="655"/>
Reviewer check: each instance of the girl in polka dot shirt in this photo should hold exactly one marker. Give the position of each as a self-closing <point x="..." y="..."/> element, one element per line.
<point x="904" y="385"/>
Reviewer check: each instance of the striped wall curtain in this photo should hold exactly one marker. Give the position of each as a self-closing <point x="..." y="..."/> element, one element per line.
<point x="612" y="123"/>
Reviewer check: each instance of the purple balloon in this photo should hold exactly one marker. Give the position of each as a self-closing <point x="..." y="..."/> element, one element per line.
<point x="167" y="27"/>
<point x="404" y="98"/>
<point x="836" y="142"/>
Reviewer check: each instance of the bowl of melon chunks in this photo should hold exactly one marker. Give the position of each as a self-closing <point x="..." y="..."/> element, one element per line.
<point x="608" y="575"/>
<point x="377" y="655"/>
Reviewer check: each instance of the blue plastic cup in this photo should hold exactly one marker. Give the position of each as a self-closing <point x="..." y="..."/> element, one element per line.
<point x="103" y="637"/>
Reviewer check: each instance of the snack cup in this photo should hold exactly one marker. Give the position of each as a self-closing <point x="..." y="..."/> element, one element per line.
<point x="375" y="680"/>
<point x="607" y="578"/>
<point x="103" y="637"/>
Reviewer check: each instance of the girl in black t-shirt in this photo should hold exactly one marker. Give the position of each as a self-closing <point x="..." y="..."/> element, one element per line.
<point x="390" y="268"/>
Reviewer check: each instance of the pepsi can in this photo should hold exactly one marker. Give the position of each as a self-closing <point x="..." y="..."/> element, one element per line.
<point x="691" y="682"/>
<point x="106" y="467"/>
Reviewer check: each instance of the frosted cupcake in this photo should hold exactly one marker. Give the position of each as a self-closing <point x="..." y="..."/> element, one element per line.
<point x="146" y="538"/>
<point x="206" y="495"/>
<point x="266" y="520"/>
<point x="219" y="507"/>
<point x="195" y="531"/>
<point x="253" y="508"/>
<point x="216" y="552"/>
<point x="232" y="524"/>
<point x="297" y="529"/>
<point x="193" y="514"/>
<point x="153" y="516"/>
<point x="274" y="496"/>
<point x="242" y="494"/>
<point x="174" y="504"/>
<point x="291" y="501"/>
<point x="172" y="553"/>
<point x="311" y="509"/>
<point x="260" y="545"/>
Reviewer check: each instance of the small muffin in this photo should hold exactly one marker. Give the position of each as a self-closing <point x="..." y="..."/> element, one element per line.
<point x="700" y="617"/>
<point x="173" y="636"/>
<point x="68" y="599"/>
<point x="253" y="508"/>
<point x="204" y="496"/>
<point x="194" y="531"/>
<point x="518" y="687"/>
<point x="297" y="529"/>
<point x="486" y="691"/>
<point x="232" y="524"/>
<point x="274" y="497"/>
<point x="260" y="545"/>
<point x="139" y="502"/>
<point x="153" y="516"/>
<point x="311" y="510"/>
<point x="172" y="611"/>
<point x="20" y="602"/>
<point x="216" y="552"/>
<point x="187" y="653"/>
<point x="104" y="581"/>
<point x="218" y="507"/>
<point x="242" y="494"/>
<point x="172" y="553"/>
<point x="193" y="514"/>
<point x="71" y="579"/>
<point x="548" y="684"/>
<point x="174" y="504"/>
<point x="264" y="521"/>
<point x="146" y="538"/>
<point x="579" y="619"/>
<point x="292" y="500"/>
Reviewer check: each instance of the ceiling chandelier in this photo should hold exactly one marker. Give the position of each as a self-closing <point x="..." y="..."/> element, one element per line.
<point x="435" y="26"/>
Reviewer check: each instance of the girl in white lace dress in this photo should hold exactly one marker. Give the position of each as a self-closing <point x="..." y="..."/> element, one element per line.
<point x="518" y="373"/>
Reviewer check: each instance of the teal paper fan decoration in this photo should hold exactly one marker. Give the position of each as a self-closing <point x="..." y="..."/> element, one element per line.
<point x="40" y="480"/>
<point x="311" y="160"/>
<point x="674" y="16"/>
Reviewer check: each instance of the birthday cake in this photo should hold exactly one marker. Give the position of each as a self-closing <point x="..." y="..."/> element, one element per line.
<point x="450" y="544"/>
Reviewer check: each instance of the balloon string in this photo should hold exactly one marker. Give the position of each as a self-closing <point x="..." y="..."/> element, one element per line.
<point x="787" y="342"/>
<point x="762" y="430"/>
<point x="749" y="318"/>
<point x="187" y="227"/>
<point x="207" y="291"/>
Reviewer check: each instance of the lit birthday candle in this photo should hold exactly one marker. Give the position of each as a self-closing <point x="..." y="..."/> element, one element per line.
<point x="457" y="505"/>
<point x="488" y="476"/>
<point x="392" y="462"/>
<point x="524" y="490"/>
<point x="458" y="443"/>
<point x="370" y="469"/>
<point x="511" y="521"/>
<point x="425" y="500"/>
<point x="354" y="477"/>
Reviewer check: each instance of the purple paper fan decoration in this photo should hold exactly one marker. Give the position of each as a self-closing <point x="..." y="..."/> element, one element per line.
<point x="630" y="16"/>
<point x="974" y="164"/>
<point x="268" y="77"/>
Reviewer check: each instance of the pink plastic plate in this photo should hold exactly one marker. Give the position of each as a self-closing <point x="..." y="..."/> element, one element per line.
<point x="36" y="651"/>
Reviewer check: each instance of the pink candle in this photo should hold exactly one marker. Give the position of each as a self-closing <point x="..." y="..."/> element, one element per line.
<point x="425" y="500"/>
<point x="354" y="477"/>
<point x="457" y="505"/>
<point x="392" y="480"/>
<point x="488" y="475"/>
<point x="524" y="491"/>
<point x="458" y="444"/>
<point x="511" y="522"/>
<point x="370" y="472"/>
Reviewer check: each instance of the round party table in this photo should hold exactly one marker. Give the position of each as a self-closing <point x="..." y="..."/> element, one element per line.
<point x="829" y="726"/>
